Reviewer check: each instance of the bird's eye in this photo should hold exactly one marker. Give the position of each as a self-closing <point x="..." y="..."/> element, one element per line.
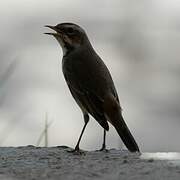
<point x="70" y="30"/>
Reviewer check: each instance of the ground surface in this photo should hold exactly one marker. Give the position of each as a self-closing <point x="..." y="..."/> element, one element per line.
<point x="33" y="163"/>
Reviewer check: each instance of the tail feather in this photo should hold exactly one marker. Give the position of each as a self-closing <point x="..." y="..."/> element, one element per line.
<point x="113" y="112"/>
<point x="125" y="135"/>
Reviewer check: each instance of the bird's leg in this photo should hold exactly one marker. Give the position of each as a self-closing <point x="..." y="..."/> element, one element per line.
<point x="86" y="120"/>
<point x="104" y="142"/>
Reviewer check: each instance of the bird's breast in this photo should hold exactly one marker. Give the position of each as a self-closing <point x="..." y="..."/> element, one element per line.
<point x="89" y="71"/>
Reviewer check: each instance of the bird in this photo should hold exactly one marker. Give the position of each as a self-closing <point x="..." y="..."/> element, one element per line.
<point x="90" y="83"/>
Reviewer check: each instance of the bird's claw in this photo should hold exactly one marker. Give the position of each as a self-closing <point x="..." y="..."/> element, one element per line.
<point x="76" y="151"/>
<point x="103" y="149"/>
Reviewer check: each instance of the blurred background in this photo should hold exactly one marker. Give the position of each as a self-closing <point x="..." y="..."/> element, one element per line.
<point x="138" y="40"/>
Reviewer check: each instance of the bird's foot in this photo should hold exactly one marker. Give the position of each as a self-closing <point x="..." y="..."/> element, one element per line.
<point x="76" y="151"/>
<point x="103" y="149"/>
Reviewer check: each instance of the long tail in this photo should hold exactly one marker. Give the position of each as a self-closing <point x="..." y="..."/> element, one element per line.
<point x="114" y="116"/>
<point x="125" y="134"/>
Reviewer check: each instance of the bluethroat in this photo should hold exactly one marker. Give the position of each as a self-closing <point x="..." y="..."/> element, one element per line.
<point x="90" y="83"/>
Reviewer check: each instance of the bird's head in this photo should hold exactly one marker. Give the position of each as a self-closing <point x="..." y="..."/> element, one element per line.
<point x="70" y="36"/>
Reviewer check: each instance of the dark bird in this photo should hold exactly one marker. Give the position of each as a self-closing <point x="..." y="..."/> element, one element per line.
<point x="90" y="82"/>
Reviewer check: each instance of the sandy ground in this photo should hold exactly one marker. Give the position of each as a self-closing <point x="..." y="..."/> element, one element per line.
<point x="33" y="163"/>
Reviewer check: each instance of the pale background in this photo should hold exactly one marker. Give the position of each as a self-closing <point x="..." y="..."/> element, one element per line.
<point x="139" y="41"/>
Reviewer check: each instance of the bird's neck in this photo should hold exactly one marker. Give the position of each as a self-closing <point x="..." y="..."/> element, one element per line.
<point x="68" y="49"/>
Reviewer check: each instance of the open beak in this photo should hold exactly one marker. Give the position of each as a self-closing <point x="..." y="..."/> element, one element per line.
<point x="53" y="28"/>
